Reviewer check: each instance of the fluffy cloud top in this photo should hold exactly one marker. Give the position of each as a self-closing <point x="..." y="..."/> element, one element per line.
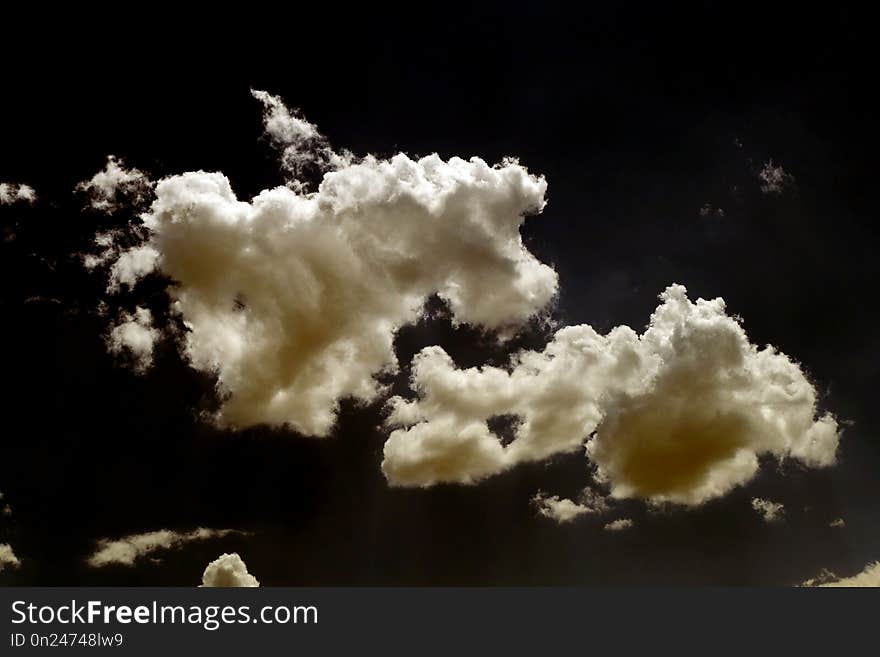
<point x="774" y="179"/>
<point x="14" y="193"/>
<point x="293" y="299"/>
<point x="128" y="549"/>
<point x="680" y="413"/>
<point x="115" y="187"/>
<point x="769" y="511"/>
<point x="7" y="557"/>
<point x="228" y="570"/>
<point x="869" y="577"/>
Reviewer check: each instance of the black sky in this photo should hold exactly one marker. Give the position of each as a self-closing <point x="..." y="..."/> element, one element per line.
<point x="637" y="115"/>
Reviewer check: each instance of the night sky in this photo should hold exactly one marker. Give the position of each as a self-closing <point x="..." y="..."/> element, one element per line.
<point x="638" y="117"/>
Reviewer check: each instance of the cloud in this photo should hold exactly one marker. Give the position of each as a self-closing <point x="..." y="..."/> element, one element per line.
<point x="303" y="149"/>
<point x="774" y="179"/>
<point x="680" y="413"/>
<point x="869" y="577"/>
<point x="708" y="210"/>
<point x="116" y="187"/>
<point x="618" y="525"/>
<point x="15" y="192"/>
<point x="228" y="570"/>
<point x="7" y="557"/>
<point x="565" y="510"/>
<point x="837" y="523"/>
<point x="135" y="335"/>
<point x="293" y="299"/>
<point x="128" y="549"/>
<point x="769" y="511"/>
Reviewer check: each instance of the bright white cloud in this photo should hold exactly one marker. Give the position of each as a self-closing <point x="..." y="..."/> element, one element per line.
<point x="135" y="335"/>
<point x="618" y="525"/>
<point x="16" y="192"/>
<point x="128" y="549"/>
<point x="228" y="570"/>
<point x="774" y="179"/>
<point x="769" y="511"/>
<point x="116" y="187"/>
<point x="293" y="299"/>
<point x="7" y="557"/>
<point x="680" y="413"/>
<point x="869" y="577"/>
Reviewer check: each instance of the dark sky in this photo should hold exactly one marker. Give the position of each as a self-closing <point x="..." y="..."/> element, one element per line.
<point x="637" y="116"/>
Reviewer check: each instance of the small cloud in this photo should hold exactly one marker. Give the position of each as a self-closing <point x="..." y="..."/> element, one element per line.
<point x="136" y="335"/>
<point x="868" y="578"/>
<point x="228" y="570"/>
<point x="7" y="557"/>
<point x="837" y="522"/>
<point x="769" y="511"/>
<point x="680" y="413"/>
<point x="708" y="210"/>
<point x="115" y="187"/>
<point x="774" y="179"/>
<point x="618" y="525"/>
<point x="16" y="193"/>
<point x="128" y="549"/>
<point x="560" y="510"/>
<point x="564" y="510"/>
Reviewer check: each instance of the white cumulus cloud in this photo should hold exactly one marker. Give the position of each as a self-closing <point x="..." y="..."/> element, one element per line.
<point x="115" y="187"/>
<point x="228" y="570"/>
<point x="293" y="299"/>
<point x="128" y="549"/>
<point x="680" y="413"/>
<point x="301" y="145"/>
<point x="768" y="510"/>
<point x="709" y="210"/>
<point x="16" y="192"/>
